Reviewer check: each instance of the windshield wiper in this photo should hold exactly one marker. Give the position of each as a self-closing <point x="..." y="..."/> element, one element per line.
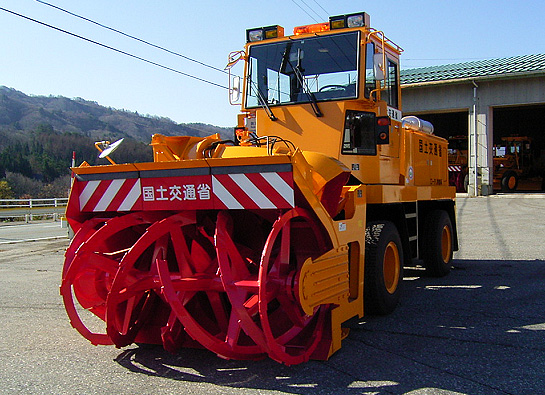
<point x="297" y="70"/>
<point x="263" y="102"/>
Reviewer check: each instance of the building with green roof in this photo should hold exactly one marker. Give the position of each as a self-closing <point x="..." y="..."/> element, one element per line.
<point x="484" y="100"/>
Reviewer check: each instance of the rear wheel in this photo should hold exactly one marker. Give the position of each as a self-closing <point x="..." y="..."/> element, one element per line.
<point x="437" y="246"/>
<point x="383" y="267"/>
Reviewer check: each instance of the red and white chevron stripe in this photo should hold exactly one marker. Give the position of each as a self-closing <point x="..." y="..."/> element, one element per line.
<point x="454" y="168"/>
<point x="254" y="190"/>
<point x="265" y="190"/>
<point x="109" y="195"/>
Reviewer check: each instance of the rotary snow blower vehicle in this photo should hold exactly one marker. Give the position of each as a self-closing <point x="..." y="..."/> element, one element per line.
<point x="265" y="245"/>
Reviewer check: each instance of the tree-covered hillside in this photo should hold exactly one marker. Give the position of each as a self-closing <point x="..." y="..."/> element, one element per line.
<point x="38" y="135"/>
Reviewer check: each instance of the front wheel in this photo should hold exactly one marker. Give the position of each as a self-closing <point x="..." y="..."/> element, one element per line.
<point x="509" y="181"/>
<point x="437" y="246"/>
<point x="383" y="268"/>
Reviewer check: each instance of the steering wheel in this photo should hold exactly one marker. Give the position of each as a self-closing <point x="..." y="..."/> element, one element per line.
<point x="332" y="88"/>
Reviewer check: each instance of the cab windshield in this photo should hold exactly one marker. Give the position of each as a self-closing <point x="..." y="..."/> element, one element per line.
<point x="305" y="70"/>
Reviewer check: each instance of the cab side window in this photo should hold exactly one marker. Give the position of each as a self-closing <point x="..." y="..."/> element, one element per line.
<point x="392" y="84"/>
<point x="359" y="133"/>
<point x="370" y="82"/>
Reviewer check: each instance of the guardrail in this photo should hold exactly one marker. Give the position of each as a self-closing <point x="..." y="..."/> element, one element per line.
<point x="30" y="209"/>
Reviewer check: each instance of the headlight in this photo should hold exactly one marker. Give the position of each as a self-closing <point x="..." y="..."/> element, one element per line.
<point x="264" y="33"/>
<point x="360" y="19"/>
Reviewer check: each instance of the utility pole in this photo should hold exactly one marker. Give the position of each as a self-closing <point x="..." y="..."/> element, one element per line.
<point x="475" y="140"/>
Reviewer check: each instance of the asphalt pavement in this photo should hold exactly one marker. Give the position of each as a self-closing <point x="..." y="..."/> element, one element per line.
<point x="18" y="232"/>
<point x="480" y="330"/>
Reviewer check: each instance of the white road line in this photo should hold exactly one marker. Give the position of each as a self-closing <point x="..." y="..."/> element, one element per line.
<point x="38" y="239"/>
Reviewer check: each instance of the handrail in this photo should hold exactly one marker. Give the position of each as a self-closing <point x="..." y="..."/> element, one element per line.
<point x="33" y="203"/>
<point x="29" y="209"/>
<point x="381" y="37"/>
<point x="384" y="39"/>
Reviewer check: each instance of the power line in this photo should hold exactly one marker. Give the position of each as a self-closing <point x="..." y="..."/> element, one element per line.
<point x="310" y="8"/>
<point x="132" y="37"/>
<point x="113" y="49"/>
<point x="327" y="13"/>
<point x="305" y="11"/>
<point x="444" y="59"/>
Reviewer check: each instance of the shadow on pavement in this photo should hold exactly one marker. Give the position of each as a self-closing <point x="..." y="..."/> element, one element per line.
<point x="479" y="330"/>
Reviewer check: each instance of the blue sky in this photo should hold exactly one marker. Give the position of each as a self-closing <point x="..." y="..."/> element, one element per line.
<point x="41" y="61"/>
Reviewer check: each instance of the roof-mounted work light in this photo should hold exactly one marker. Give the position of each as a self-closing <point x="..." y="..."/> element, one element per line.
<point x="360" y="19"/>
<point x="264" y="33"/>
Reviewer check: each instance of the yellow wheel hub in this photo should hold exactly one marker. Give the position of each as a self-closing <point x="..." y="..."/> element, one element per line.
<point x="446" y="244"/>
<point x="391" y="267"/>
<point x="512" y="182"/>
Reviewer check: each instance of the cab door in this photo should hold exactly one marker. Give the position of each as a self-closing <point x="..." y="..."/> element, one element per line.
<point x="391" y="96"/>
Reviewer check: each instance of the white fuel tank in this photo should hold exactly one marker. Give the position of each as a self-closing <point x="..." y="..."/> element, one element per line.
<point x="414" y="123"/>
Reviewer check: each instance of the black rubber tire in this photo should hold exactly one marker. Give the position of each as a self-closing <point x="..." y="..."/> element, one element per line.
<point x="437" y="243"/>
<point x="381" y="298"/>
<point x="509" y="181"/>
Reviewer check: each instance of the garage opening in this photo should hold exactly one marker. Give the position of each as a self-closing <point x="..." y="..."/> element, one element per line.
<point x="519" y="135"/>
<point x="520" y="121"/>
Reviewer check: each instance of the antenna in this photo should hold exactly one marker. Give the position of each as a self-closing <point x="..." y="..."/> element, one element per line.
<point x="107" y="149"/>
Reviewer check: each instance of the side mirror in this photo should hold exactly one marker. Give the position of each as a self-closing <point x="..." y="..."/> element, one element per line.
<point x="234" y="91"/>
<point x="378" y="66"/>
<point x="105" y="149"/>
